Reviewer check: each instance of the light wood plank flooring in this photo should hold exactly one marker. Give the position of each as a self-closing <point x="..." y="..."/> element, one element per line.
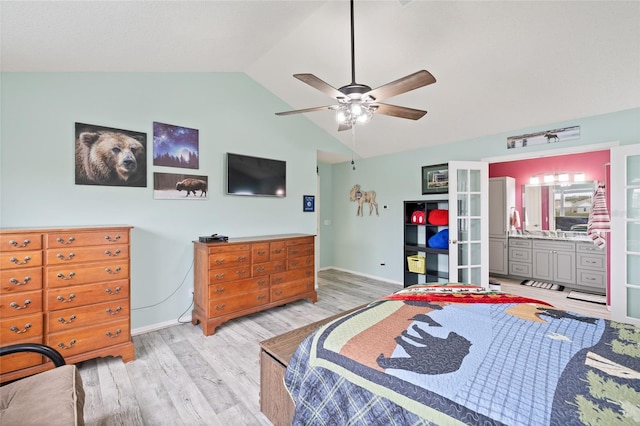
<point x="181" y="377"/>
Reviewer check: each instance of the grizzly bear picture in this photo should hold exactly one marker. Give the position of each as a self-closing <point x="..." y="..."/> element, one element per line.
<point x="111" y="157"/>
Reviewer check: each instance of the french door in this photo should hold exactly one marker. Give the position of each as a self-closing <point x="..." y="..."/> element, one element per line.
<point x="625" y="233"/>
<point x="469" y="222"/>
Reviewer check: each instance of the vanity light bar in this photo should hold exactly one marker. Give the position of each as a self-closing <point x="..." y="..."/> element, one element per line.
<point x="557" y="177"/>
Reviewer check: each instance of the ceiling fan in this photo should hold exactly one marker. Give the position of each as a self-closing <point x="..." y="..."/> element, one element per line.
<point x="358" y="102"/>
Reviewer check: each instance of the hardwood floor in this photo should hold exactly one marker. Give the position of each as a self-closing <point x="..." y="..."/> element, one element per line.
<point x="181" y="377"/>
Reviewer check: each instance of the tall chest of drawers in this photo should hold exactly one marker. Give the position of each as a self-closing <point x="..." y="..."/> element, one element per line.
<point x="67" y="288"/>
<point x="247" y="275"/>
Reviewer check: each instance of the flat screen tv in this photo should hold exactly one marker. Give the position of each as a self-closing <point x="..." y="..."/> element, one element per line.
<point x="257" y="176"/>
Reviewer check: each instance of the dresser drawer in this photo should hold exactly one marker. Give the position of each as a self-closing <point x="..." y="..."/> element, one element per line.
<point x="299" y="241"/>
<point x="84" y="316"/>
<point x="260" y="252"/>
<point x="280" y="292"/>
<point x="268" y="268"/>
<point x="81" y="295"/>
<point x="293" y="275"/>
<point x="25" y="303"/>
<point x="519" y="254"/>
<point x="19" y="361"/>
<point x="234" y="304"/>
<point x="16" y="280"/>
<point x="66" y="275"/>
<point x="300" y="262"/>
<point x="278" y="250"/>
<point x="300" y="250"/>
<point x="224" y="275"/>
<point x="520" y="269"/>
<point x="589" y="247"/>
<point x="14" y="329"/>
<point x="234" y="288"/>
<point x="230" y="258"/>
<point x="87" y="238"/>
<point x="72" y="255"/>
<point x="21" y="259"/>
<point x="592" y="261"/>
<point x="20" y="242"/>
<point x="227" y="248"/>
<point x="84" y="339"/>
<point x="592" y="279"/>
<point x="519" y="242"/>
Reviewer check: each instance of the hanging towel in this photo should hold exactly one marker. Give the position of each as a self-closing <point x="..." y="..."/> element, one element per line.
<point x="515" y="219"/>
<point x="599" y="220"/>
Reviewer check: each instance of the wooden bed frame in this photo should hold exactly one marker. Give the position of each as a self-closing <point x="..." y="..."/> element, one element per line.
<point x="275" y="354"/>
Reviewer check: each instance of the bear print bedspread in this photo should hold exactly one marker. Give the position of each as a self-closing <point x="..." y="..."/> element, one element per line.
<point x="452" y="354"/>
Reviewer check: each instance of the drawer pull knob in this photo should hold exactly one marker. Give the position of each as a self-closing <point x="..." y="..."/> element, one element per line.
<point x="241" y="258"/>
<point x="308" y="261"/>
<point x="66" y="243"/>
<point x="241" y="272"/>
<point x="70" y="299"/>
<point x="277" y="279"/>
<point x="220" y="261"/>
<point x="220" y="290"/>
<point x="261" y="297"/>
<point x="278" y="292"/>
<point x="24" y="243"/>
<point x="294" y="252"/>
<point x="112" y="240"/>
<point x="220" y="307"/>
<point x="278" y="251"/>
<point x="15" y="306"/>
<point x="17" y="262"/>
<point x="71" y="343"/>
<point x="18" y="283"/>
<point x="279" y="266"/>
<point x="116" y="291"/>
<point x="111" y="312"/>
<point x="61" y="320"/>
<point x="260" y="269"/>
<point x="61" y="256"/>
<point x="307" y="273"/>
<point x="109" y="253"/>
<point x="262" y="282"/>
<point x="62" y="277"/>
<point x="113" y="272"/>
<point x="261" y="252"/>
<point x="294" y="263"/>
<point x="219" y="276"/>
<point x="113" y="336"/>
<point x="26" y="328"/>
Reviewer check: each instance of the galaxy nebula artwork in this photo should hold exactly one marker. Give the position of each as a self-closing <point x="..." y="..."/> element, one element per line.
<point x="175" y="146"/>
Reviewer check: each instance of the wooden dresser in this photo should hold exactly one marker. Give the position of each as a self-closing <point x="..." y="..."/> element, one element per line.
<point x="67" y="288"/>
<point x="247" y="275"/>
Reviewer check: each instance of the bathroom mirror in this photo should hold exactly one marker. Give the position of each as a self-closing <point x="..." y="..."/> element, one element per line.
<point x="557" y="207"/>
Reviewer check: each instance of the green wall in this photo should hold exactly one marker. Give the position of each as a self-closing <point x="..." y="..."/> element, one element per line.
<point x="360" y="244"/>
<point x="232" y="113"/>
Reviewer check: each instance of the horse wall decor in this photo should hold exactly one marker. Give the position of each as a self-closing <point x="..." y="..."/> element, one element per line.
<point x="363" y="197"/>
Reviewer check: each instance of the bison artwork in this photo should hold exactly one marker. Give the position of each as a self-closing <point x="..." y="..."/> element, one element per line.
<point x="105" y="157"/>
<point x="192" y="185"/>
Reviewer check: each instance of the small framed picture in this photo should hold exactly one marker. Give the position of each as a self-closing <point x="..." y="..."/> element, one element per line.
<point x="435" y="179"/>
<point x="308" y="203"/>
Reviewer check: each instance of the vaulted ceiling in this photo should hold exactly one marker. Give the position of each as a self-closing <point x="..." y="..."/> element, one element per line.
<point x="500" y="65"/>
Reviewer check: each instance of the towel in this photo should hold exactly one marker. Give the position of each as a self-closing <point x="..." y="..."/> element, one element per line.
<point x="599" y="220"/>
<point x="514" y="219"/>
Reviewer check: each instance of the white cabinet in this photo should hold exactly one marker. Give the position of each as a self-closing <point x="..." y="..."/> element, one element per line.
<point x="502" y="197"/>
<point x="591" y="272"/>
<point x="554" y="261"/>
<point x="520" y="257"/>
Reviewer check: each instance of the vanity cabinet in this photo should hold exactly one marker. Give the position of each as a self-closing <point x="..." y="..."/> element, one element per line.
<point x="591" y="272"/>
<point x="520" y="257"/>
<point x="502" y="198"/>
<point x="554" y="261"/>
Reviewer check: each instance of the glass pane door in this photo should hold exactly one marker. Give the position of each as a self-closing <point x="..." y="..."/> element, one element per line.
<point x="468" y="224"/>
<point x="625" y="234"/>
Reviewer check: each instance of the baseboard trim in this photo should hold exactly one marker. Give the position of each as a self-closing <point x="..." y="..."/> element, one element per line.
<point x="361" y="274"/>
<point x="160" y="326"/>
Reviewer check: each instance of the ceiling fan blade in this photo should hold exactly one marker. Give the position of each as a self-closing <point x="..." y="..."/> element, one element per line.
<point x="316" y="83"/>
<point x="399" y="111"/>
<point x="402" y="85"/>
<point x="300" y="111"/>
<point x="343" y="127"/>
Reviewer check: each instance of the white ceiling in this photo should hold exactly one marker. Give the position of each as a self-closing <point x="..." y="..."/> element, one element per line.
<point x="499" y="65"/>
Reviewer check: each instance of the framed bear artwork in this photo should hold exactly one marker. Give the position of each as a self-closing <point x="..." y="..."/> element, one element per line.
<point x="111" y="157"/>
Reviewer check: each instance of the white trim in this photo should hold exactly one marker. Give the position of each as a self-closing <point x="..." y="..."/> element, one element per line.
<point x="551" y="152"/>
<point x="160" y="325"/>
<point x="361" y="274"/>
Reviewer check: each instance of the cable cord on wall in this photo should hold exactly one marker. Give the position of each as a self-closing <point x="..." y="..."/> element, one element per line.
<point x="172" y="293"/>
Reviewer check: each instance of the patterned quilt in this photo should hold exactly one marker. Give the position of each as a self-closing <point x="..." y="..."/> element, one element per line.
<point x="450" y="355"/>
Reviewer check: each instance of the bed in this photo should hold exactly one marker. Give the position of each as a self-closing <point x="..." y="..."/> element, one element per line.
<point x="455" y="354"/>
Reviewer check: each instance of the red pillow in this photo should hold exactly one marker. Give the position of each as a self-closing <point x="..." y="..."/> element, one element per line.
<point x="439" y="217"/>
<point x="418" y="217"/>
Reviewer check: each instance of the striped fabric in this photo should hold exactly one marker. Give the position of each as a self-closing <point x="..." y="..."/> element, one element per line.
<point x="598" y="223"/>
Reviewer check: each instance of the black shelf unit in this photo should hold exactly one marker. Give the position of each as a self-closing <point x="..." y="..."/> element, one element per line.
<point x="416" y="236"/>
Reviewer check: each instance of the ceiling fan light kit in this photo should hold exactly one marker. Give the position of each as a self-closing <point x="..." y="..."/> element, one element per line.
<point x="358" y="102"/>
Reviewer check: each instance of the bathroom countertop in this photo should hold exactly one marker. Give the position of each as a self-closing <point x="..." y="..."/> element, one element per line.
<point x="559" y="236"/>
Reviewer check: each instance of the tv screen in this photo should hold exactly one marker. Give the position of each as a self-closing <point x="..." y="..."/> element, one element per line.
<point x="256" y="176"/>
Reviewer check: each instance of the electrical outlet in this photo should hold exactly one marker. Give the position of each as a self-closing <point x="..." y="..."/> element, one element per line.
<point x="191" y="294"/>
